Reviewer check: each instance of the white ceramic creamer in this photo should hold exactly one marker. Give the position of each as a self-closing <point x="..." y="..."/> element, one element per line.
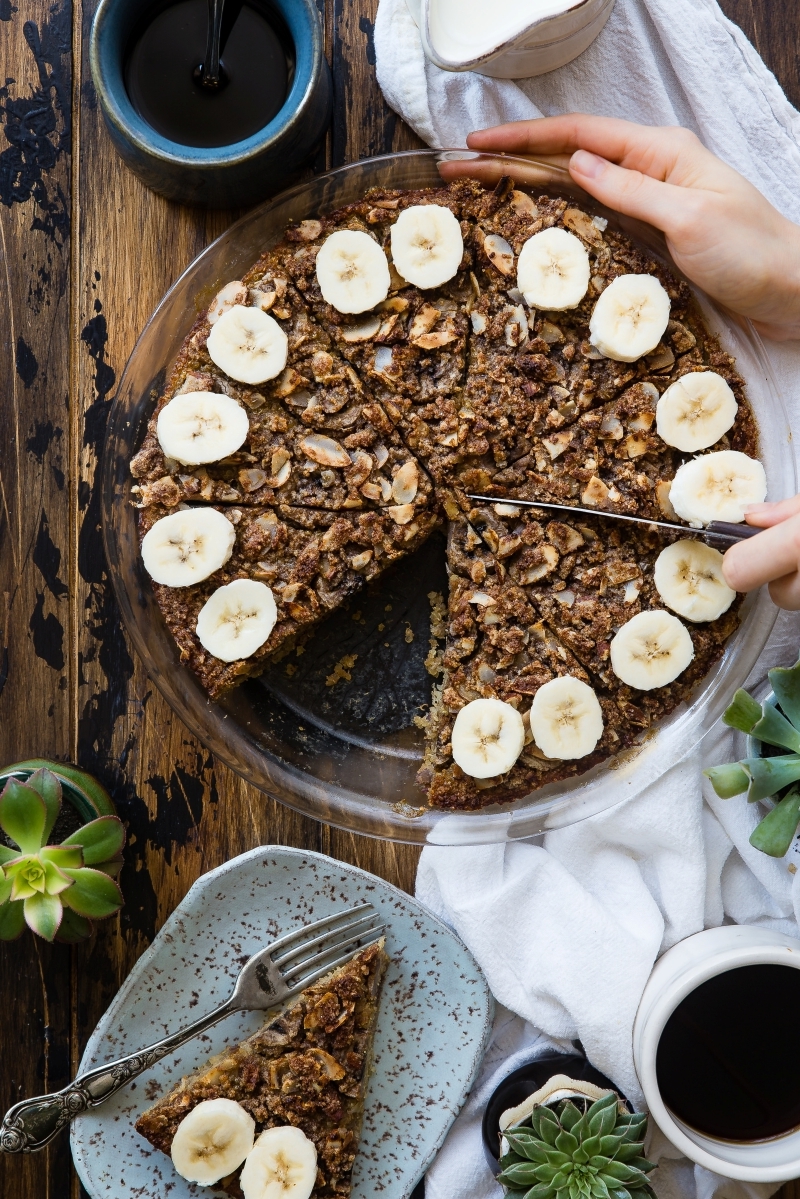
<point x="507" y="39"/>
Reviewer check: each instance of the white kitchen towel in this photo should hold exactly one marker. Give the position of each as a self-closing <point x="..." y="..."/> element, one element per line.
<point x="568" y="931"/>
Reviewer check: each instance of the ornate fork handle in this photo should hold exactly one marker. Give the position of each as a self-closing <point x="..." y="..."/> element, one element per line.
<point x="33" y="1123"/>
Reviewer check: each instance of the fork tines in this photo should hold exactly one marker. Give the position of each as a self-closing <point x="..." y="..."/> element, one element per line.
<point x="301" y="959"/>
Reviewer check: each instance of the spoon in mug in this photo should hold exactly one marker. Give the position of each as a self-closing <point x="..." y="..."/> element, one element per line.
<point x="210" y="74"/>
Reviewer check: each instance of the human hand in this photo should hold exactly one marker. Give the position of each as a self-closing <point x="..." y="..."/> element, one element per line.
<point x="722" y="233"/>
<point x="772" y="557"/>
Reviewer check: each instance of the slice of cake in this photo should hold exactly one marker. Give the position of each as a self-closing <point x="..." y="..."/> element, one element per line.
<point x="308" y="1068"/>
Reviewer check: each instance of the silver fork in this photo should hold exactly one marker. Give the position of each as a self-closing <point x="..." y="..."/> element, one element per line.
<point x="267" y="980"/>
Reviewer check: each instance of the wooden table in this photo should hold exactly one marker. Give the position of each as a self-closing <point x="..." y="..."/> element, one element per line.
<point x="87" y="253"/>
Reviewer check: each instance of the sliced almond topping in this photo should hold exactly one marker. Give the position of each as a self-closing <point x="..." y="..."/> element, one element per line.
<point x="359" y="561"/>
<point x="506" y="509"/>
<point x="556" y="444"/>
<point x="365" y="330"/>
<point x="661" y="358"/>
<point x="372" y="491"/>
<point x="324" y="450"/>
<point x="282" y="475"/>
<point x="310" y="230"/>
<point x="401" y="514"/>
<point x="611" y="427"/>
<point x="563" y="537"/>
<point x="550" y="333"/>
<point x="478" y="322"/>
<point x="435" y="341"/>
<point x="508" y="545"/>
<point x="291" y="592"/>
<point x="360" y="469"/>
<point x="565" y="597"/>
<point x="405" y="483"/>
<point x="380" y="454"/>
<point x="279" y="459"/>
<point x="663" y="488"/>
<point x="388" y="326"/>
<point x="424" y="321"/>
<point x="262" y="299"/>
<point x="583" y="225"/>
<point x="643" y="422"/>
<point x="634" y="446"/>
<point x="499" y="253"/>
<point x="523" y="204"/>
<point x="482" y="598"/>
<point x="386" y="489"/>
<point x="393" y="304"/>
<point x="383" y="360"/>
<point x="251" y="480"/>
<point x="544" y="560"/>
<point x="322" y="366"/>
<point x="516" y="330"/>
<point x="595" y="493"/>
<point x="229" y="295"/>
<point x="288" y="381"/>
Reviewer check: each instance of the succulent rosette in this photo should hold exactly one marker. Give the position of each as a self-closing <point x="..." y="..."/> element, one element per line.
<point x="57" y="890"/>
<point x="774" y="775"/>
<point x="563" y="1152"/>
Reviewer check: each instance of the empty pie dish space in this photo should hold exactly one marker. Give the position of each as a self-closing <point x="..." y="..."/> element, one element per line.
<point x="352" y="776"/>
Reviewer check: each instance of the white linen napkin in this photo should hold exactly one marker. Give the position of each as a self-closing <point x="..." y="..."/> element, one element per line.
<point x="568" y="931"/>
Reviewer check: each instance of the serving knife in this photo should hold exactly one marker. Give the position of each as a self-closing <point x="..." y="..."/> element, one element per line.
<point x="718" y="531"/>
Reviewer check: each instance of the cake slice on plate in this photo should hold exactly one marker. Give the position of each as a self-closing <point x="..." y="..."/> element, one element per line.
<point x="305" y="1072"/>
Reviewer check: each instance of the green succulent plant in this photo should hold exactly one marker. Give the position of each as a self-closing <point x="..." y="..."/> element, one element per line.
<point x="57" y="890"/>
<point x="767" y="777"/>
<point x="561" y="1152"/>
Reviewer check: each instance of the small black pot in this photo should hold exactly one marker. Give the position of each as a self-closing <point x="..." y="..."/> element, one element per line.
<point x="524" y="1082"/>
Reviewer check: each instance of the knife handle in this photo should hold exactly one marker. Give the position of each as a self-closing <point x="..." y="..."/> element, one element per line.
<point x="731" y="532"/>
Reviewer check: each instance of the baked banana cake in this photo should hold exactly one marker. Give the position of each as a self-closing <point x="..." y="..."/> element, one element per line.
<point x="385" y="362"/>
<point x="288" y="1101"/>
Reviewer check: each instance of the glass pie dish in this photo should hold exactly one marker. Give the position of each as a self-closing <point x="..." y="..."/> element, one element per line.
<point x="348" y="753"/>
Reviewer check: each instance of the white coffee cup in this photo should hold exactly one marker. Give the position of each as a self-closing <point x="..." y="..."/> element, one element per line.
<point x="676" y="974"/>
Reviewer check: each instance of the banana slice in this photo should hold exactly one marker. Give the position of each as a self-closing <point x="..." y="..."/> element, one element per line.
<point x="629" y="318"/>
<point x="553" y="270"/>
<point x="566" y="718"/>
<point x="696" y="411"/>
<point x="201" y="426"/>
<point x="281" y="1165"/>
<point x="427" y="246"/>
<point x="688" y="577"/>
<point x="352" y="271"/>
<point x="212" y="1141"/>
<point x="651" y="650"/>
<point x="248" y="344"/>
<point x="186" y="547"/>
<point x="237" y="619"/>
<point x="717" y="487"/>
<point x="487" y="738"/>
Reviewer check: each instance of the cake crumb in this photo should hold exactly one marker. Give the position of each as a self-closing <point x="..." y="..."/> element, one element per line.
<point x="409" y="634"/>
<point x="433" y="661"/>
<point x="342" y="670"/>
<point x="290" y="669"/>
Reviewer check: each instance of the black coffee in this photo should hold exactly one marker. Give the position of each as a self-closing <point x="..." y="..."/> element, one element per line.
<point x="160" y="73"/>
<point x="728" y="1061"/>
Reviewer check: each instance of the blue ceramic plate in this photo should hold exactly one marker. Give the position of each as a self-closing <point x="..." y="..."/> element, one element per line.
<point x="434" y="1020"/>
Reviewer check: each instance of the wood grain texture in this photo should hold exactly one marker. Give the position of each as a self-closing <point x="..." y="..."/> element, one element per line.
<point x="87" y="253"/>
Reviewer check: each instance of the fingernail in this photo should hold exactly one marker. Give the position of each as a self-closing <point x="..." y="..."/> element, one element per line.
<point x="589" y="165"/>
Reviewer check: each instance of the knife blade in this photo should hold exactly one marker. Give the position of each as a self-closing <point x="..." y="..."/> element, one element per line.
<point x="718" y="531"/>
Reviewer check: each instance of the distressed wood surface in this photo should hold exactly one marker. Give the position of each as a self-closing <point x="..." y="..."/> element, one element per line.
<point x="87" y="253"/>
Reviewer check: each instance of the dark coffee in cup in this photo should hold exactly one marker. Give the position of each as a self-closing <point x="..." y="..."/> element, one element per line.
<point x="728" y="1059"/>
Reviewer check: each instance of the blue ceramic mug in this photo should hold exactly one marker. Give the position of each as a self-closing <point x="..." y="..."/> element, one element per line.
<point x="219" y="176"/>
